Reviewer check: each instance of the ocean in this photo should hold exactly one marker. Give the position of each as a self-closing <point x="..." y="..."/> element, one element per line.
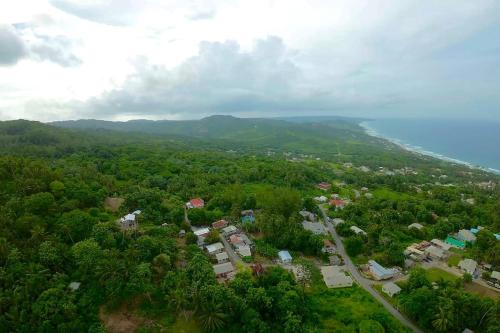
<point x="472" y="142"/>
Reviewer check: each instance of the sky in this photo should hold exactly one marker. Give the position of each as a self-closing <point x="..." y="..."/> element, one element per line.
<point x="167" y="59"/>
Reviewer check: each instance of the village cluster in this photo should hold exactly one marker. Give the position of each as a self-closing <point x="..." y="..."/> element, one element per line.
<point x="235" y="247"/>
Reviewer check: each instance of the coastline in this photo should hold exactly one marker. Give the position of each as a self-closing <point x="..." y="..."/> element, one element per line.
<point x="421" y="151"/>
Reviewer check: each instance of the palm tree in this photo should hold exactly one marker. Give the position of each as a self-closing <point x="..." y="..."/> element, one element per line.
<point x="212" y="316"/>
<point x="444" y="319"/>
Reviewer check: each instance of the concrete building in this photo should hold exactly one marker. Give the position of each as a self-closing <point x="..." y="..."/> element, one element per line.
<point x="468" y="266"/>
<point x="391" y="289"/>
<point x="466" y="236"/>
<point x="215" y="248"/>
<point x="435" y="252"/>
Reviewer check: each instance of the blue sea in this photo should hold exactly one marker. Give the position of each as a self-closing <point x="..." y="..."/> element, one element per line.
<point x="472" y="142"/>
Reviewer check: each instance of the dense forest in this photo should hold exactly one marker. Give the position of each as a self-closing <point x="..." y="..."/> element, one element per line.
<point x="55" y="228"/>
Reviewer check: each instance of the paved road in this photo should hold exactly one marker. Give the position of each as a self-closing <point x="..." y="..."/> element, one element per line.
<point x="363" y="282"/>
<point x="235" y="258"/>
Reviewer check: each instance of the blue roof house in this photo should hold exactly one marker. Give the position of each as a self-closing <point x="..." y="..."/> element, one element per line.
<point x="379" y="272"/>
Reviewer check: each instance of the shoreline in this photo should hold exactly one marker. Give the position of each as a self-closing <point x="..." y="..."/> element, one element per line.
<point x="421" y="151"/>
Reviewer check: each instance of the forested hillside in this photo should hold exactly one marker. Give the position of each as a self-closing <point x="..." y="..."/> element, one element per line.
<point x="55" y="228"/>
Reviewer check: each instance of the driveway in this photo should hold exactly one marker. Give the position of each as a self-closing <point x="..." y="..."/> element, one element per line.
<point x="363" y="282"/>
<point x="235" y="258"/>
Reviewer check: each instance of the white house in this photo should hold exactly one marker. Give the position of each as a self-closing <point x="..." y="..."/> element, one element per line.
<point x="222" y="270"/>
<point x="222" y="257"/>
<point x="321" y="199"/>
<point x="229" y="230"/>
<point x="337" y="221"/>
<point x="215" y="248"/>
<point x="416" y="226"/>
<point x="357" y="230"/>
<point x="285" y="257"/>
<point x="495" y="275"/>
<point x="468" y="266"/>
<point x="335" y="277"/>
<point x="202" y="232"/>
<point x="391" y="289"/>
<point x="244" y="251"/>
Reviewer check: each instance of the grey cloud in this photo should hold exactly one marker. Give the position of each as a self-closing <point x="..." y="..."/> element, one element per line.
<point x="56" y="49"/>
<point x="221" y="78"/>
<point x="12" y="47"/>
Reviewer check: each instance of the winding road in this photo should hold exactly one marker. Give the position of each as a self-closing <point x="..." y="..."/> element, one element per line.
<point x="363" y="282"/>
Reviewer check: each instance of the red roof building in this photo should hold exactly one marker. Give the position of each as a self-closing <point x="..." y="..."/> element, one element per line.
<point x="235" y="239"/>
<point x="196" y="203"/>
<point x="338" y="203"/>
<point x="220" y="224"/>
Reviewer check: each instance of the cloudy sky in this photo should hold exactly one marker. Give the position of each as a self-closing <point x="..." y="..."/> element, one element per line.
<point x="160" y="59"/>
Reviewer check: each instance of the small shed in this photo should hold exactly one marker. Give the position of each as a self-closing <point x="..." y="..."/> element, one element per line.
<point x="285" y="256"/>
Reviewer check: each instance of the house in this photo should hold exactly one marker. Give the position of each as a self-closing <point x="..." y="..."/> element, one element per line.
<point x="321" y="199"/>
<point x="248" y="219"/>
<point x="435" y="252"/>
<point x="413" y="252"/>
<point x="368" y="195"/>
<point x="182" y="233"/>
<point x="466" y="236"/>
<point x="220" y="224"/>
<point x="441" y="244"/>
<point x="129" y="221"/>
<point x="244" y="238"/>
<point x="74" y="286"/>
<point x="244" y="251"/>
<point x="476" y="230"/>
<point x="222" y="257"/>
<point x="391" y="289"/>
<point x="337" y="203"/>
<point x="357" y="230"/>
<point x="316" y="228"/>
<point x="335" y="196"/>
<point x="222" y="270"/>
<point x="285" y="257"/>
<point x="308" y="215"/>
<point x="229" y="230"/>
<point x="324" y="186"/>
<point x="328" y="247"/>
<point x="495" y="275"/>
<point x="467" y="330"/>
<point x="336" y="222"/>
<point x="364" y="189"/>
<point x="364" y="168"/>
<point x="417" y="226"/>
<point x="195" y="203"/>
<point x="379" y="272"/>
<point x="202" y="232"/>
<point x="335" y="277"/>
<point x="247" y="212"/>
<point x="468" y="266"/>
<point x="235" y="239"/>
<point x="215" y="248"/>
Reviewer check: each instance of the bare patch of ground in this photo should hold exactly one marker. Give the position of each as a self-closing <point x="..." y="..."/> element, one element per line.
<point x="113" y="204"/>
<point x="121" y="321"/>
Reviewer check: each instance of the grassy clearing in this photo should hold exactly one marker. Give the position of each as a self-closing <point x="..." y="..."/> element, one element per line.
<point x="435" y="274"/>
<point x="454" y="259"/>
<point x="341" y="310"/>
